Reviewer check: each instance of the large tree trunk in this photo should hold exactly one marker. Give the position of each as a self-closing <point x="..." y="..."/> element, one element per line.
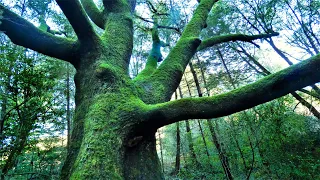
<point x="112" y="147"/>
<point x="107" y="139"/>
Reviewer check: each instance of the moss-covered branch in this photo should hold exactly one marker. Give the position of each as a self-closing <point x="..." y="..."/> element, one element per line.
<point x="265" y="72"/>
<point x="170" y="71"/>
<point x="118" y="34"/>
<point x="78" y="19"/>
<point x="118" y="6"/>
<point x="23" y="33"/>
<point x="232" y="37"/>
<point x="264" y="90"/>
<point x="94" y="13"/>
<point x="154" y="55"/>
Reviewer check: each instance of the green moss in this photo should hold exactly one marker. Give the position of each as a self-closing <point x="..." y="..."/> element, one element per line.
<point x="198" y="21"/>
<point x="117" y="6"/>
<point x="107" y="125"/>
<point x="100" y="153"/>
<point x="43" y="25"/>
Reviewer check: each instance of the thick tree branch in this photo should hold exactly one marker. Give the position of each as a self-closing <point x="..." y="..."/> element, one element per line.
<point x="118" y="34"/>
<point x="154" y="55"/>
<point x="271" y="87"/>
<point x="118" y="6"/>
<point x="232" y="37"/>
<point x="305" y="103"/>
<point x="169" y="73"/>
<point x="23" y="33"/>
<point x="94" y="13"/>
<point x="78" y="19"/>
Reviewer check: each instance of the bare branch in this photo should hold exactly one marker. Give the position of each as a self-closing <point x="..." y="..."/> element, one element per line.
<point x="271" y="87"/>
<point x="94" y="13"/>
<point x="23" y="33"/>
<point x="159" y="26"/>
<point x="305" y="103"/>
<point x="232" y="37"/>
<point x="78" y="19"/>
<point x="154" y="10"/>
<point x="310" y="93"/>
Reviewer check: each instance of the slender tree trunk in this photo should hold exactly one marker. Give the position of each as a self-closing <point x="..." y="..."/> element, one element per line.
<point x="204" y="141"/>
<point x="4" y="102"/>
<point x="196" y="81"/>
<point x="199" y="90"/>
<point x="161" y="150"/>
<point x="253" y="157"/>
<point x="248" y="171"/>
<point x="202" y="74"/>
<point x="68" y="116"/>
<point x="178" y="145"/>
<point x="223" y="158"/>
<point x="195" y="78"/>
<point x="238" y="145"/>
<point x="222" y="155"/>
<point x="316" y="89"/>
<point x="25" y="121"/>
<point x="264" y="161"/>
<point x="193" y="157"/>
<point x="4" y="107"/>
<point x="177" y="164"/>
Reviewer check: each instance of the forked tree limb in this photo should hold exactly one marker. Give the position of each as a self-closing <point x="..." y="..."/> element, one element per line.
<point x="78" y="20"/>
<point x="94" y="13"/>
<point x="23" y="33"/>
<point x="170" y="71"/>
<point x="271" y="87"/>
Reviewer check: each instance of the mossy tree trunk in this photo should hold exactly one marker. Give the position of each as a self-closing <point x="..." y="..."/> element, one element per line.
<point x="108" y="140"/>
<point x="116" y="118"/>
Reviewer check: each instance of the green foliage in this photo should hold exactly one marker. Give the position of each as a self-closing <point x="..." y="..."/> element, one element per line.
<point x="271" y="140"/>
<point x="31" y="110"/>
